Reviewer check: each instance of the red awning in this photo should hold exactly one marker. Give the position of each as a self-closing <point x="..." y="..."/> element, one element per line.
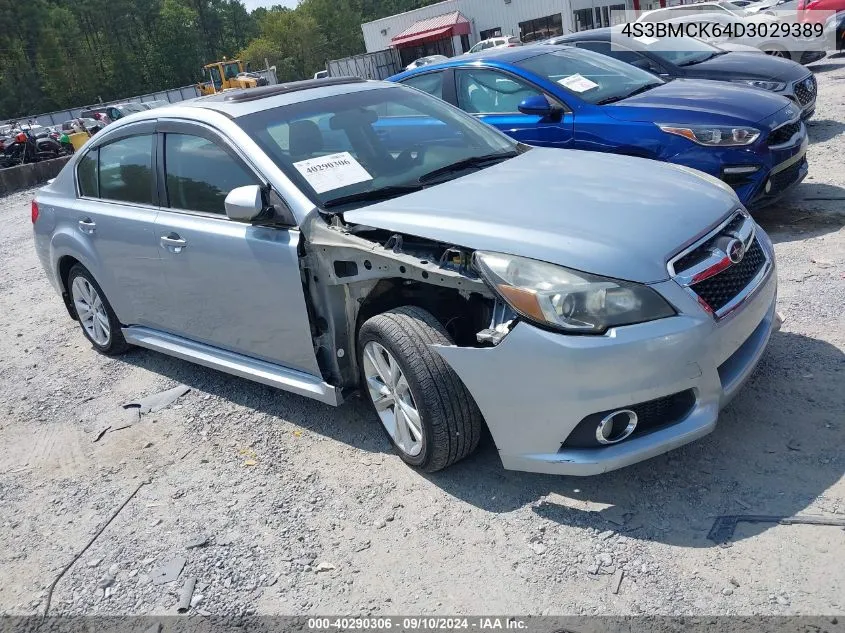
<point x="438" y="27"/>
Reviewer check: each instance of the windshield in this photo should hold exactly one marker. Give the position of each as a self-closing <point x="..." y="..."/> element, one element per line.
<point x="590" y="76"/>
<point x="729" y="6"/>
<point x="363" y="142"/>
<point x="684" y="51"/>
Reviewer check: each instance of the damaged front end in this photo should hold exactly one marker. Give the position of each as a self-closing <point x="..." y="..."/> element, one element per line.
<point x="352" y="272"/>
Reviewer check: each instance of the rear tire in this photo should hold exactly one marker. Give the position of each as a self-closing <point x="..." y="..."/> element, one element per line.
<point x="425" y="409"/>
<point x="94" y="313"/>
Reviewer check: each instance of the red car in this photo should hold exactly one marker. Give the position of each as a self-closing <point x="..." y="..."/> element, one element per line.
<point x="808" y="9"/>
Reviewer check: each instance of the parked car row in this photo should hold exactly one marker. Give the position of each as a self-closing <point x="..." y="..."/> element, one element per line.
<point x="744" y="131"/>
<point x="675" y="58"/>
<point x="30" y="142"/>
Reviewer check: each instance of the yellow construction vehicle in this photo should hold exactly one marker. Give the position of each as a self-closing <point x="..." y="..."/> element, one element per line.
<point x="228" y="74"/>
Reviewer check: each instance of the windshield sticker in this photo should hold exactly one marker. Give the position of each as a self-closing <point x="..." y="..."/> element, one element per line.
<point x="648" y="41"/>
<point x="327" y="173"/>
<point x="577" y="83"/>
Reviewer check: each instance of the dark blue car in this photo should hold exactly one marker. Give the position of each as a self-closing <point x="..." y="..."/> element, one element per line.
<point x="558" y="96"/>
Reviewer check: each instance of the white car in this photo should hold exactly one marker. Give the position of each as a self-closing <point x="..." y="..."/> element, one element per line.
<point x="495" y="42"/>
<point x="683" y="10"/>
<point x="425" y="61"/>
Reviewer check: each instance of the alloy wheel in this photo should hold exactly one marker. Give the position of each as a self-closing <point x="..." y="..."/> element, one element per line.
<point x="91" y="311"/>
<point x="392" y="398"/>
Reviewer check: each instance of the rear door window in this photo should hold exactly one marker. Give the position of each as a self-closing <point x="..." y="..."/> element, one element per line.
<point x="432" y="83"/>
<point x="200" y="174"/>
<point x="126" y="170"/>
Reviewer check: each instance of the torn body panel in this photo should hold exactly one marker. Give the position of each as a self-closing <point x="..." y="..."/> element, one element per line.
<point x="352" y="272"/>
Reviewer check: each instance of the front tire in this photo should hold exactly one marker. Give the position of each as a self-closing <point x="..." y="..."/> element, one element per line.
<point x="95" y="314"/>
<point x="428" y="413"/>
<point x="776" y="52"/>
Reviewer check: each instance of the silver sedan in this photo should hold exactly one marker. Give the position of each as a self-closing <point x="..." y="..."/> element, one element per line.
<point x="337" y="235"/>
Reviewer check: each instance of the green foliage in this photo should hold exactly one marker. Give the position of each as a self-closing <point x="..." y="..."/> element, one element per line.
<point x="57" y="54"/>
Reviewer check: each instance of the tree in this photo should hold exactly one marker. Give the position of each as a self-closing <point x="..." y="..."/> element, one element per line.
<point x="57" y="54"/>
<point x="290" y="40"/>
<point x="176" y="51"/>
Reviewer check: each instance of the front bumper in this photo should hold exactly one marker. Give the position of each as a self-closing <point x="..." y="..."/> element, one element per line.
<point x="780" y="170"/>
<point x="751" y="189"/>
<point x="536" y="386"/>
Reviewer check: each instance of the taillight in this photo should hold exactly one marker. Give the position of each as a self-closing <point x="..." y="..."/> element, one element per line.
<point x="34" y="211"/>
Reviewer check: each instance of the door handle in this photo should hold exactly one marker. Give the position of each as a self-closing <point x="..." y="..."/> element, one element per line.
<point x="87" y="225"/>
<point x="173" y="242"/>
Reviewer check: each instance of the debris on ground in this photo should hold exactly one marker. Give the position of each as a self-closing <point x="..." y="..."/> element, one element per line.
<point x="617" y="581"/>
<point x="168" y="572"/>
<point x="185" y="596"/>
<point x="197" y="541"/>
<point x="157" y="401"/>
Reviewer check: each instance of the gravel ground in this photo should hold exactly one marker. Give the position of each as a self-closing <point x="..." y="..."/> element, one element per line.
<point x="304" y="509"/>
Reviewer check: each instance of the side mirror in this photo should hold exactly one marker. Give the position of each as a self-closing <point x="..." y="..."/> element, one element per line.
<point x="244" y="204"/>
<point x="248" y="66"/>
<point x="538" y="105"/>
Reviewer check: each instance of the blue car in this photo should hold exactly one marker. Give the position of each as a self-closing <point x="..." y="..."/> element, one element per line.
<point x="559" y="96"/>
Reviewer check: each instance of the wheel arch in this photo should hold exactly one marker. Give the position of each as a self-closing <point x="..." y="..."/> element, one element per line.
<point x="348" y="279"/>
<point x="63" y="266"/>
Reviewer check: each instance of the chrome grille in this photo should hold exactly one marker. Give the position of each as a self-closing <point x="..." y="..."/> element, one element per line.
<point x="723" y="267"/>
<point x="718" y="290"/>
<point x="805" y="90"/>
<point x="784" y="133"/>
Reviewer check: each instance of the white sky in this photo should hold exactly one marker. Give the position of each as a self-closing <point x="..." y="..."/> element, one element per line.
<point x="254" y="4"/>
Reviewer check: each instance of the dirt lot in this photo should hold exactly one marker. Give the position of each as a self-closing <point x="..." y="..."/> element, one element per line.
<point x="306" y="510"/>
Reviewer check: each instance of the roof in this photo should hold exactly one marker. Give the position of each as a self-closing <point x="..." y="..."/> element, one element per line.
<point x="453" y="23"/>
<point x="581" y="36"/>
<point x="500" y="55"/>
<point x="251" y="94"/>
<point x="283" y="95"/>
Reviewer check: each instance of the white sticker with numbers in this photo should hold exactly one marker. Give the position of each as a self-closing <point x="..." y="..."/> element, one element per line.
<point x="328" y="173"/>
<point x="577" y="83"/>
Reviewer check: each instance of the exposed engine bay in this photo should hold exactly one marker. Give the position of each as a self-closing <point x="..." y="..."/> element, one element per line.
<point x="352" y="272"/>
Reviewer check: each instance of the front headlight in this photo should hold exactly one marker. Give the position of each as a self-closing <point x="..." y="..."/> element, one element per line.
<point x="567" y="299"/>
<point x="713" y="135"/>
<point x="774" y="86"/>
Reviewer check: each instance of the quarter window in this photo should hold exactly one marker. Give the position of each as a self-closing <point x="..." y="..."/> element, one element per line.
<point x="200" y="174"/>
<point x="432" y="83"/>
<point x="86" y="175"/>
<point x="491" y="92"/>
<point x="126" y="172"/>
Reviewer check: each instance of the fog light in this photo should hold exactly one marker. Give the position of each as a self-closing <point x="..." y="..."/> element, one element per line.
<point x="741" y="170"/>
<point x="616" y="426"/>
